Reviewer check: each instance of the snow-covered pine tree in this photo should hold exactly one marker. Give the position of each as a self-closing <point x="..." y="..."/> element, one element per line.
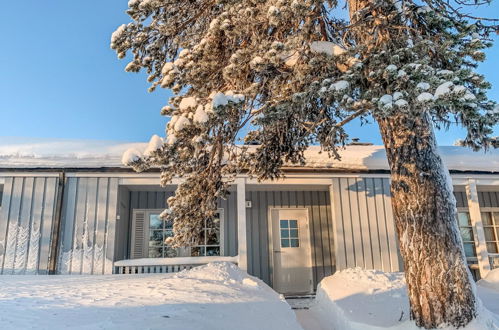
<point x="294" y="73"/>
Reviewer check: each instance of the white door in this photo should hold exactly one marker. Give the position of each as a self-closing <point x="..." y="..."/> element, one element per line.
<point x="291" y="253"/>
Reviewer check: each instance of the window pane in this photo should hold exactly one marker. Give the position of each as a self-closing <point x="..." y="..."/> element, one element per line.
<point x="464" y="219"/>
<point x="155" y="252"/>
<point x="170" y="252"/>
<point x="213" y="251"/>
<point x="169" y="224"/>
<point x="213" y="237"/>
<point x="487" y="218"/>
<point x="213" y="223"/>
<point x="156" y="236"/>
<point x="155" y="222"/>
<point x="295" y="243"/>
<point x="284" y="233"/>
<point x="197" y="251"/>
<point x="466" y="234"/>
<point x="155" y="244"/>
<point x="491" y="247"/>
<point x="496" y="218"/>
<point x="469" y="249"/>
<point x="293" y="224"/>
<point x="293" y="233"/>
<point x="489" y="234"/>
<point x="284" y="223"/>
<point x="285" y="242"/>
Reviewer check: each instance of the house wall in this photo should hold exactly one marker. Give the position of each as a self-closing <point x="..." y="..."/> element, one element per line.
<point x="364" y="226"/>
<point x="488" y="198"/>
<point x="26" y="220"/>
<point x="88" y="226"/>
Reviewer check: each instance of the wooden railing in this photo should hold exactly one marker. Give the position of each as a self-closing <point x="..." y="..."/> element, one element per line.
<point x="164" y="265"/>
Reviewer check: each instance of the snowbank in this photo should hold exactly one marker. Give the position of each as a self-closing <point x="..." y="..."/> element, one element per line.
<point x="491" y="280"/>
<point x="357" y="299"/>
<point x="45" y="153"/>
<point x="214" y="296"/>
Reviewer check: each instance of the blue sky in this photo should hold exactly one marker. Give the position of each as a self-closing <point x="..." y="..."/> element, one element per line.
<point x="60" y="79"/>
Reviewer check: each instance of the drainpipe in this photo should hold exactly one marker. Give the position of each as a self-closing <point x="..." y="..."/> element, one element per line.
<point x="56" y="227"/>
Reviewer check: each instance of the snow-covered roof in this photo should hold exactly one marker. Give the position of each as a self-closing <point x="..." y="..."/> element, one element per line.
<point x="61" y="153"/>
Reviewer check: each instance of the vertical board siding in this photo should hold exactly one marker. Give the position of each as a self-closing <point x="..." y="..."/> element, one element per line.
<point x="321" y="230"/>
<point x="488" y="198"/>
<point x="26" y="219"/>
<point x="88" y="226"/>
<point x="364" y="224"/>
<point x="461" y="199"/>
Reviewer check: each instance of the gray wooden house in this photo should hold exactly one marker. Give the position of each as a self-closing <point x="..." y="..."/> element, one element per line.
<point x="70" y="207"/>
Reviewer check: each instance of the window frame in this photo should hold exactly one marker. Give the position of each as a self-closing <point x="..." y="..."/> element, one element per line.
<point x="494" y="226"/>
<point x="181" y="252"/>
<point x="470" y="226"/>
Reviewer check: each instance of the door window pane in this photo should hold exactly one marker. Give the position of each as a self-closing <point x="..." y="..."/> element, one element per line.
<point x="289" y="233"/>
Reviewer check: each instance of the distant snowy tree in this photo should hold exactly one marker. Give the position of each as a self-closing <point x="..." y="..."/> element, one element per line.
<point x="294" y="73"/>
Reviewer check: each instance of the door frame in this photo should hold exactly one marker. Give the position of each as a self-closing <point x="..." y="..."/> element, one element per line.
<point x="271" y="242"/>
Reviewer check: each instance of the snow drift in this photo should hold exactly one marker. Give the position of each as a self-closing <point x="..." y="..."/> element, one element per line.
<point x="357" y="299"/>
<point x="210" y="297"/>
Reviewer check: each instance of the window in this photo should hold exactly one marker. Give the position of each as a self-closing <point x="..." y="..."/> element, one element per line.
<point x="210" y="237"/>
<point x="159" y="231"/>
<point x="289" y="233"/>
<point x="466" y="230"/>
<point x="490" y="222"/>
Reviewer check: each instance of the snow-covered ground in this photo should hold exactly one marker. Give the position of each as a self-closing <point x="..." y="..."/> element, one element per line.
<point x="356" y="299"/>
<point x="215" y="296"/>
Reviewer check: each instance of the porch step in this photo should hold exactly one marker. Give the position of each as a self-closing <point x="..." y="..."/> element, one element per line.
<point x="300" y="301"/>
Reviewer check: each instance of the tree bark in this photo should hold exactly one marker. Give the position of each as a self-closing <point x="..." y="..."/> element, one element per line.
<point x="440" y="286"/>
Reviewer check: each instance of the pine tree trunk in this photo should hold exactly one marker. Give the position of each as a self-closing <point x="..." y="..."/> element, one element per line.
<point x="440" y="287"/>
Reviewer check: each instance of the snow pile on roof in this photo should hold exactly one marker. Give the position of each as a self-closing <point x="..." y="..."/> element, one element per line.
<point x="211" y="297"/>
<point x="59" y="153"/>
<point x="357" y="299"/>
<point x="30" y="152"/>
